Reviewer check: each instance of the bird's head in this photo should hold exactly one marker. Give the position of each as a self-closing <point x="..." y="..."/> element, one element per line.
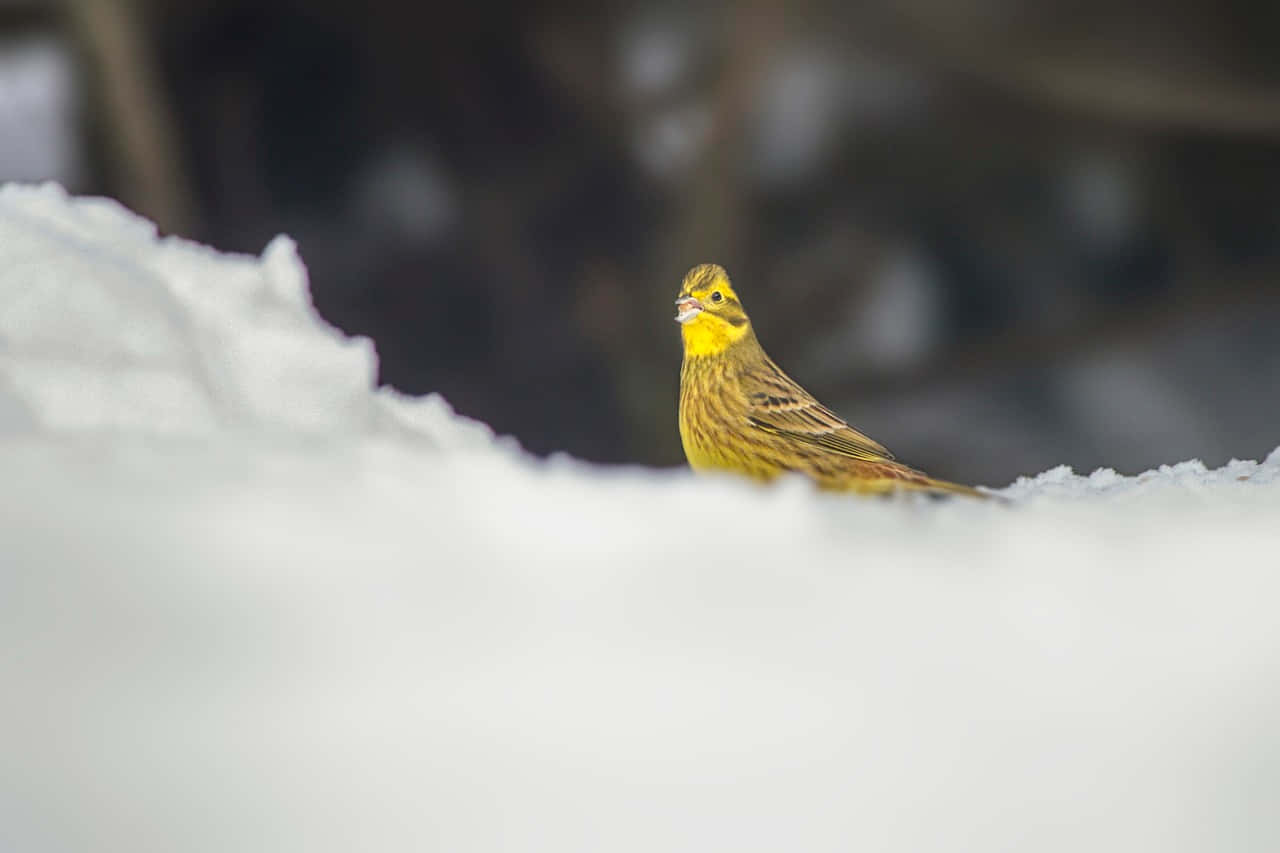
<point x="710" y="316"/>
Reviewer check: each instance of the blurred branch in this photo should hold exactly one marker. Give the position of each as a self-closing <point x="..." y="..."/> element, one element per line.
<point x="1129" y="96"/>
<point x="710" y="225"/>
<point x="140" y="130"/>
<point x="1102" y="87"/>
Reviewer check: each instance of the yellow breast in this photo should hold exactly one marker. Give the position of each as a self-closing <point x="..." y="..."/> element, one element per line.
<point x="713" y="421"/>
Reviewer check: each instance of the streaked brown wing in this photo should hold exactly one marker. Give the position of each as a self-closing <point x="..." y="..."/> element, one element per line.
<point x="779" y="406"/>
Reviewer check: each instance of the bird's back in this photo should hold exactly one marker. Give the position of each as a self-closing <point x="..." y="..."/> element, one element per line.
<point x="740" y="412"/>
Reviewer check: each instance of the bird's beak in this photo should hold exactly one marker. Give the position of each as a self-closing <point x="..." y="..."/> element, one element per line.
<point x="687" y="308"/>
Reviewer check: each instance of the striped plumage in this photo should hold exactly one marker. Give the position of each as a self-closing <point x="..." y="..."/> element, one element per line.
<point x="740" y="412"/>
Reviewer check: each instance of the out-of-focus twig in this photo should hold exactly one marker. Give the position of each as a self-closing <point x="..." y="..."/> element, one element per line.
<point x="141" y="133"/>
<point x="1130" y="93"/>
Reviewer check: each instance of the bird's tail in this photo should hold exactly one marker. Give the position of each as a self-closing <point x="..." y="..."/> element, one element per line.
<point x="914" y="481"/>
<point x="887" y="477"/>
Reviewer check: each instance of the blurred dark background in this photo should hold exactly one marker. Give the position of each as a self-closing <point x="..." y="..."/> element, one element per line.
<point x="996" y="235"/>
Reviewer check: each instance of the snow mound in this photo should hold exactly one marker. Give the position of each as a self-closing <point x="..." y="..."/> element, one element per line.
<point x="250" y="603"/>
<point x="107" y="327"/>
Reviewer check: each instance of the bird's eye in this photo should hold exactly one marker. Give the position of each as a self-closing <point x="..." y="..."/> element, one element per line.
<point x="716" y="297"/>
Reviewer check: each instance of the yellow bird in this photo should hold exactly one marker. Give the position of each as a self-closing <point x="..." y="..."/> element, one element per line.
<point x="739" y="411"/>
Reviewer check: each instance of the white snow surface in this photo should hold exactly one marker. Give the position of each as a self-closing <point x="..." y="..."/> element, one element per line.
<point x="250" y="603"/>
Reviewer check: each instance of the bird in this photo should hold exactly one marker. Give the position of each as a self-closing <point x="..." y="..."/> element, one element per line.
<point x="740" y="412"/>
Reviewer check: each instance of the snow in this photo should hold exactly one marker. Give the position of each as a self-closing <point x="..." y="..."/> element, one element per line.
<point x="249" y="602"/>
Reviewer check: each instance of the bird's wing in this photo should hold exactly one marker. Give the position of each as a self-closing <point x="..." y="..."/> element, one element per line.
<point x="779" y="406"/>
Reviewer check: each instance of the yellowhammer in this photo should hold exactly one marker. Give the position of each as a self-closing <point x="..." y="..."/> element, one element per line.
<point x="740" y="412"/>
